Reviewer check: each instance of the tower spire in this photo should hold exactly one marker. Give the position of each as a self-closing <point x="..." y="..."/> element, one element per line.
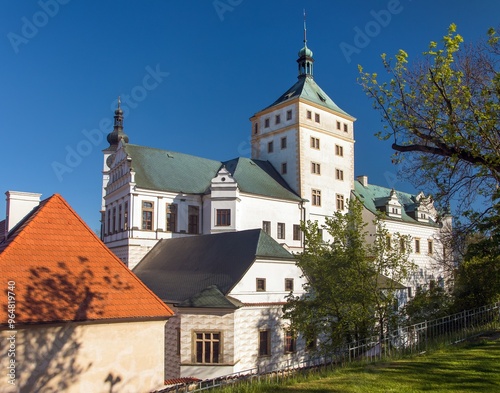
<point x="117" y="134"/>
<point x="305" y="59"/>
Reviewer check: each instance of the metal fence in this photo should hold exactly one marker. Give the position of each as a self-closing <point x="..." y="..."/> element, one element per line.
<point x="403" y="341"/>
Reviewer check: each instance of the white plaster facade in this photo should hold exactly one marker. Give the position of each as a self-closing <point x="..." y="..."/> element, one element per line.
<point x="87" y="357"/>
<point x="239" y="328"/>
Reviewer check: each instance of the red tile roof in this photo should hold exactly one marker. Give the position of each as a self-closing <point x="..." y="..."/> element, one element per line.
<point x="63" y="272"/>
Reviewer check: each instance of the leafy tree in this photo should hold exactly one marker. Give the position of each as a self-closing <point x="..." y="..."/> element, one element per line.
<point x="353" y="284"/>
<point x="442" y="115"/>
<point x="477" y="280"/>
<point x="427" y="305"/>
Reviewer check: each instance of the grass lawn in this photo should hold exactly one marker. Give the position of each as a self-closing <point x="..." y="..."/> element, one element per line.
<point x="470" y="367"/>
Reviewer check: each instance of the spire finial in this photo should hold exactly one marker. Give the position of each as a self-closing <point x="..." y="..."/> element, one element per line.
<point x="305" y="28"/>
<point x="119" y="102"/>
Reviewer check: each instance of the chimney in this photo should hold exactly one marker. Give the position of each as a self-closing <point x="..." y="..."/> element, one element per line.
<point x="363" y="180"/>
<point x="19" y="204"/>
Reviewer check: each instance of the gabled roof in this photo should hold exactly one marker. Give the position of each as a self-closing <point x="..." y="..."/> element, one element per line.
<point x="166" y="170"/>
<point x="259" y="177"/>
<point x="180" y="269"/>
<point x="307" y="89"/>
<point x="374" y="197"/>
<point x="63" y="272"/>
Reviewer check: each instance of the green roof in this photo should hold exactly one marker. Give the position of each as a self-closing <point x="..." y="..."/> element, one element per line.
<point x="309" y="90"/>
<point x="197" y="271"/>
<point x="259" y="177"/>
<point x="373" y="197"/>
<point x="165" y="170"/>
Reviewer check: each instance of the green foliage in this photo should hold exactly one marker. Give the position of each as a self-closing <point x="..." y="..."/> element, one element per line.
<point x="427" y="305"/>
<point x="442" y="114"/>
<point x="353" y="281"/>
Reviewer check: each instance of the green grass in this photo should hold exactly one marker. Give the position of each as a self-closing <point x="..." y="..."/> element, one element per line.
<point x="470" y="367"/>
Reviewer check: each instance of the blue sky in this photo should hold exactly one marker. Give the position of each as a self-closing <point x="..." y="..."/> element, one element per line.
<point x="194" y="72"/>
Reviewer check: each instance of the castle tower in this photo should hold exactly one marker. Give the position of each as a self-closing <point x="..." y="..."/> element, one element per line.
<point x="309" y="140"/>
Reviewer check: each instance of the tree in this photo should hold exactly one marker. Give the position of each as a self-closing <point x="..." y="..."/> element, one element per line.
<point x="442" y="115"/>
<point x="353" y="284"/>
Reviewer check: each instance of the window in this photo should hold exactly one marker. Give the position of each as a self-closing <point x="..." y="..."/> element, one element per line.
<point x="256" y="128"/>
<point x="309" y="114"/>
<point x="207" y="347"/>
<point x="125" y="216"/>
<point x="338" y="125"/>
<point x="315" y="143"/>
<point x="339" y="174"/>
<point x="316" y="168"/>
<point x="316" y="117"/>
<point x="281" y="230"/>
<point x="270" y="147"/>
<point x="402" y="244"/>
<point x="290" y="341"/>
<point x="113" y="221"/>
<point x="283" y="168"/>
<point x="266" y="123"/>
<point x="108" y="229"/>
<point x="264" y="343"/>
<point x="297" y="232"/>
<point x="193" y="218"/>
<point x="339" y="150"/>
<point x="147" y="215"/>
<point x="261" y="285"/>
<point x="223" y="217"/>
<point x="283" y="142"/>
<point x="316" y="197"/>
<point x="289" y="115"/>
<point x="171" y="217"/>
<point x="120" y="227"/>
<point x="288" y="284"/>
<point x="388" y="242"/>
<point x="266" y="227"/>
<point x="277" y="119"/>
<point x="340" y="202"/>
<point x="345" y="127"/>
<point x="429" y="247"/>
<point x="417" y="246"/>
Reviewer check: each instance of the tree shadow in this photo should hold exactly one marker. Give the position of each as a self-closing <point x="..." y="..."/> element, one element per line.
<point x="56" y="302"/>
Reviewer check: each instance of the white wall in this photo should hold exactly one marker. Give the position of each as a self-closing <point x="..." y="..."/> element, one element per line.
<point x="82" y="358"/>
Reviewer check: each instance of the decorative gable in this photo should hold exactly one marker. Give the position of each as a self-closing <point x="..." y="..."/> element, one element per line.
<point x="393" y="207"/>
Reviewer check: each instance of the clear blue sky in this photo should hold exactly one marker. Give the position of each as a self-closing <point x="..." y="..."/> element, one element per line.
<point x="215" y="63"/>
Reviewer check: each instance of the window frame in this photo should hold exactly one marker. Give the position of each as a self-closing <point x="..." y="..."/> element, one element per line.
<point x="339" y="202"/>
<point x="317" y="118"/>
<point x="171" y="211"/>
<point x="266" y="122"/>
<point x="430" y="246"/>
<point x="315" y="168"/>
<point x="297" y="232"/>
<point x="211" y="341"/>
<point x="270" y="146"/>
<point x="309" y="115"/>
<point x="315" y="143"/>
<point x="288" y="284"/>
<point x="149" y="210"/>
<point x="417" y="246"/>
<point x="264" y="342"/>
<point x="339" y="174"/>
<point x="191" y="222"/>
<point x="277" y="119"/>
<point x="283" y="143"/>
<point x="289" y="114"/>
<point x="280" y="232"/>
<point x="284" y="168"/>
<point x="223" y="217"/>
<point x="290" y="344"/>
<point x="339" y="150"/>
<point x="316" y="197"/>
<point x="260" y="284"/>
<point x="266" y="227"/>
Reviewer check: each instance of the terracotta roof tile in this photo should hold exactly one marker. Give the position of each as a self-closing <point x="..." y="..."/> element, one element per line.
<point x="63" y="272"/>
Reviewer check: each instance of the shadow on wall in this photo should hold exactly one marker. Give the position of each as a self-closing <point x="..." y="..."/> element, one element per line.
<point x="70" y="294"/>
